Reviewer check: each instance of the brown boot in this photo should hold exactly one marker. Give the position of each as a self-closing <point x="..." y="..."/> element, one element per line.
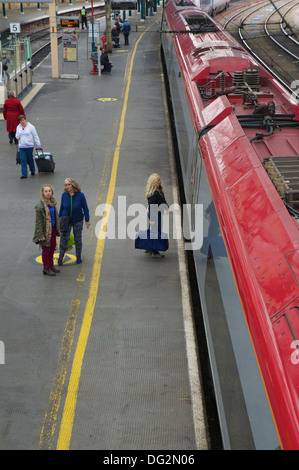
<point x="48" y="272"/>
<point x="157" y="255"/>
<point x="55" y="270"/>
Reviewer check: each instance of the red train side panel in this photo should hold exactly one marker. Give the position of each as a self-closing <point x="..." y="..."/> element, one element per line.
<point x="261" y="237"/>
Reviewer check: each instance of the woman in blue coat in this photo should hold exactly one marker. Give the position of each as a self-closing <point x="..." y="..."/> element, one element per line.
<point x="73" y="205"/>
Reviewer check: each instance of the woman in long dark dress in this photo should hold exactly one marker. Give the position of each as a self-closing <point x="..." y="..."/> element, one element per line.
<point x="154" y="194"/>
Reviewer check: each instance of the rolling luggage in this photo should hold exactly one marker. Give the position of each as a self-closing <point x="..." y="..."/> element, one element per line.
<point x="44" y="161"/>
<point x="151" y="240"/>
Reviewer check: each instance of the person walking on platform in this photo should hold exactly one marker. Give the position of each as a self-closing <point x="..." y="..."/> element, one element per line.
<point x="26" y="135"/>
<point x="47" y="228"/>
<point x="154" y="194"/>
<point x="11" y="111"/>
<point x="126" y="28"/>
<point x="83" y="18"/>
<point x="73" y="209"/>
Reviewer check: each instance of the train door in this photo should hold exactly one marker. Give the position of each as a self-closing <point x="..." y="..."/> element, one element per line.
<point x="167" y="43"/>
<point x="212" y="7"/>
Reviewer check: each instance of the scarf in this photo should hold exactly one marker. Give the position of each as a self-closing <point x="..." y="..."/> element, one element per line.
<point x="49" y="203"/>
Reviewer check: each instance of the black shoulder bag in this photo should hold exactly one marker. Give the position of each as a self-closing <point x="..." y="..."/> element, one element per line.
<point x="64" y="220"/>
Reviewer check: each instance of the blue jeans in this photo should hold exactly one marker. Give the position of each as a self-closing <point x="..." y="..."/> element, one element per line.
<point x="26" y="156"/>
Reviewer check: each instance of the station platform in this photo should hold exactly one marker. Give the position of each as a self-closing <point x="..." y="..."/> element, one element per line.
<point x="102" y="356"/>
<point x="34" y="12"/>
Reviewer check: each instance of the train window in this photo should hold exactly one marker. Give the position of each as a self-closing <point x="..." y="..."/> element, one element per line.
<point x="184" y="3"/>
<point x="195" y="172"/>
<point x="200" y="23"/>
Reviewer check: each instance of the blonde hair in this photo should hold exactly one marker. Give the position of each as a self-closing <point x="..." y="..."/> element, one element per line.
<point x="74" y="183"/>
<point x="152" y="185"/>
<point x="52" y="200"/>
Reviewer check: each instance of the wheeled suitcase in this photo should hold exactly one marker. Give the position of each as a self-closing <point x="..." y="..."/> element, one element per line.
<point x="151" y="240"/>
<point x="44" y="161"/>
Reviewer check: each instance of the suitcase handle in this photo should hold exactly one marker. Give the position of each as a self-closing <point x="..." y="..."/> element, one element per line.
<point x="39" y="151"/>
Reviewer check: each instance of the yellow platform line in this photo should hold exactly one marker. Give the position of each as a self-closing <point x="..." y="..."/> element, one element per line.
<point x="68" y="416"/>
<point x="29" y="97"/>
<point x="32" y="93"/>
<point x="50" y="419"/>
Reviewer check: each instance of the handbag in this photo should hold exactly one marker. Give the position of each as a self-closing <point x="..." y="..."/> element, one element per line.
<point x="18" y="158"/>
<point x="70" y="244"/>
<point x="151" y="240"/>
<point x="64" y="221"/>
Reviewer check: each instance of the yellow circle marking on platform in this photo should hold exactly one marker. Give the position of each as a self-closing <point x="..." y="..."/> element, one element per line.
<point x="68" y="259"/>
<point x="107" y="99"/>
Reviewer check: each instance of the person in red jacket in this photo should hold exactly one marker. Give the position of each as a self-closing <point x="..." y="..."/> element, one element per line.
<point x="12" y="109"/>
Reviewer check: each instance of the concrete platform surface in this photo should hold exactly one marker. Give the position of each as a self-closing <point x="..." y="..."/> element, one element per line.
<point x="101" y="356"/>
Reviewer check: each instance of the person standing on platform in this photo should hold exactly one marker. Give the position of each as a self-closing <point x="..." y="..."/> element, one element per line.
<point x="74" y="209"/>
<point x="11" y="111"/>
<point x="5" y="77"/>
<point x="115" y="36"/>
<point x="26" y="135"/>
<point x="47" y="228"/>
<point x="83" y="18"/>
<point x="126" y="28"/>
<point x="154" y="193"/>
<point x="151" y="7"/>
<point x="118" y="24"/>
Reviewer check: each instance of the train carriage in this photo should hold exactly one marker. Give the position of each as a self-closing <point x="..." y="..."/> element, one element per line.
<point x="238" y="142"/>
<point x="212" y="7"/>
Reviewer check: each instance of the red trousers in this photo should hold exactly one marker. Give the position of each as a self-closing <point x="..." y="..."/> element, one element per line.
<point x="48" y="252"/>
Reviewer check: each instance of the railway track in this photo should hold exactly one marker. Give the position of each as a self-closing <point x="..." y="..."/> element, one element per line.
<point x="40" y="39"/>
<point x="268" y="30"/>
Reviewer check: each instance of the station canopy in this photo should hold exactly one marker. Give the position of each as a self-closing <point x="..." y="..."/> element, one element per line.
<point x="124" y="5"/>
<point x="26" y="1"/>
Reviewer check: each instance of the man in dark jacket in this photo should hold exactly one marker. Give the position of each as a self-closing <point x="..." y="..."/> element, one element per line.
<point x="126" y="28"/>
<point x="83" y="18"/>
<point x="105" y="61"/>
<point x="115" y="36"/>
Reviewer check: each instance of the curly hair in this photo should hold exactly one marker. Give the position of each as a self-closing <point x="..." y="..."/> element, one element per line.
<point x="74" y="183"/>
<point x="153" y="185"/>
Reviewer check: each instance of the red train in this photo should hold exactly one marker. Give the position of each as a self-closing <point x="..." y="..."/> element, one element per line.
<point x="237" y="133"/>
